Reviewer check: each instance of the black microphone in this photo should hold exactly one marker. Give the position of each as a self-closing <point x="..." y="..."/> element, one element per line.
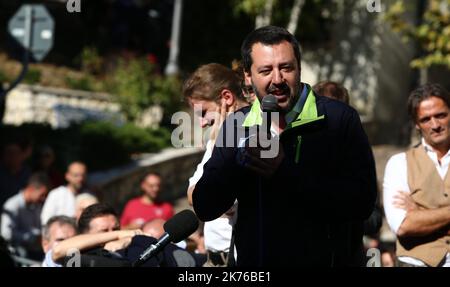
<point x="269" y="105"/>
<point x="177" y="228"/>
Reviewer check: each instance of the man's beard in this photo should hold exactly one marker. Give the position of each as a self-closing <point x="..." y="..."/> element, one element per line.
<point x="291" y="98"/>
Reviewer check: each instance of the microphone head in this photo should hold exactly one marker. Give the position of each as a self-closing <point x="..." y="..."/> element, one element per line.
<point x="181" y="225"/>
<point x="269" y="103"/>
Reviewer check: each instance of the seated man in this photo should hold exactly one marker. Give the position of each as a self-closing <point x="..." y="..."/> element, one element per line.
<point x="20" y="224"/>
<point x="14" y="173"/>
<point x="62" y="200"/>
<point x="102" y="243"/>
<point x="82" y="201"/>
<point x="98" y="227"/>
<point x="155" y="229"/>
<point x="57" y="229"/>
<point x="147" y="206"/>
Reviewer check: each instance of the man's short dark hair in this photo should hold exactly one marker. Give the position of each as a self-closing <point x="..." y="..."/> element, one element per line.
<point x="39" y="179"/>
<point x="425" y="92"/>
<point x="91" y="212"/>
<point x="268" y="35"/>
<point x="59" y="219"/>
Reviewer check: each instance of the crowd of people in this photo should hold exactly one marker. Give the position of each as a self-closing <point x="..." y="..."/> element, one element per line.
<point x="42" y="221"/>
<point x="319" y="191"/>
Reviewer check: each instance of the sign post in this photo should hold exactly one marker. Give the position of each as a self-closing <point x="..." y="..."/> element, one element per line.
<point x="32" y="27"/>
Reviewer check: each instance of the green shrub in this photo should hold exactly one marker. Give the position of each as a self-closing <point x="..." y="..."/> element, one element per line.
<point x="101" y="145"/>
<point x="84" y="83"/>
<point x="33" y="76"/>
<point x="4" y="78"/>
<point x="130" y="85"/>
<point x="137" y="85"/>
<point x="91" y="62"/>
<point x="104" y="144"/>
<point x="167" y="93"/>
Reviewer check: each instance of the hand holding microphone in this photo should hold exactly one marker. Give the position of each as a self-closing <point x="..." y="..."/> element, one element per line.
<point x="253" y="157"/>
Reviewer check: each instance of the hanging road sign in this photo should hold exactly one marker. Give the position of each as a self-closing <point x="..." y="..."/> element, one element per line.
<point x="32" y="26"/>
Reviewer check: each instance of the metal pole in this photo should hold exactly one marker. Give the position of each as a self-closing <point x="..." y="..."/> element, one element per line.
<point x="172" y="65"/>
<point x="28" y="22"/>
<point x="27" y="44"/>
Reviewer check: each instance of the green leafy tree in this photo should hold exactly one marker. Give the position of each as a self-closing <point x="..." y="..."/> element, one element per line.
<point x="250" y="7"/>
<point x="118" y="143"/>
<point x="432" y="34"/>
<point x="263" y="10"/>
<point x="137" y="85"/>
<point x="131" y="88"/>
<point x="268" y="12"/>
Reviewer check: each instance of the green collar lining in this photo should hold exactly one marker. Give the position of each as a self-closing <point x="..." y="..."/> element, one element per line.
<point x="307" y="115"/>
<point x="309" y="112"/>
<point x="254" y="117"/>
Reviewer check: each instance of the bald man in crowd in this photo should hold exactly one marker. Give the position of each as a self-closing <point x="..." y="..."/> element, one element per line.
<point x="62" y="200"/>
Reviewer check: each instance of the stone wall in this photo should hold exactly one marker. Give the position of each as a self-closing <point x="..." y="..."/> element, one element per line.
<point x="57" y="107"/>
<point x="118" y="185"/>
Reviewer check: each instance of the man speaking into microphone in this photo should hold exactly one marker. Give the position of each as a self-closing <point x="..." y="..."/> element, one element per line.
<point x="315" y="191"/>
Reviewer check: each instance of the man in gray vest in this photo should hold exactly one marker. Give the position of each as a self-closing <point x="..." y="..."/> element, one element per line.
<point x="417" y="186"/>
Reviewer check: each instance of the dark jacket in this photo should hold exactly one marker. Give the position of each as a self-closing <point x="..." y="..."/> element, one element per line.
<point x="170" y="256"/>
<point x="310" y="212"/>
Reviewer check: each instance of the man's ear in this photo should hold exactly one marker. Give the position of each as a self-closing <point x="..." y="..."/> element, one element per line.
<point x="247" y="78"/>
<point x="227" y="96"/>
<point x="417" y="127"/>
<point x="45" y="245"/>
